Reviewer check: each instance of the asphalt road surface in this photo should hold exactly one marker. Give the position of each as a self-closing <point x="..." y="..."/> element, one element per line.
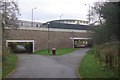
<point x="39" y="66"/>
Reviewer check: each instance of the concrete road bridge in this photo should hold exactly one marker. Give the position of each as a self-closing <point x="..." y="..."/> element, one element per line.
<point x="48" y="37"/>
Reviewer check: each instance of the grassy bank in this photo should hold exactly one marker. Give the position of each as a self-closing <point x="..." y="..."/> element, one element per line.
<point x="89" y="68"/>
<point x="0" y="66"/>
<point x="59" y="51"/>
<point x="9" y="63"/>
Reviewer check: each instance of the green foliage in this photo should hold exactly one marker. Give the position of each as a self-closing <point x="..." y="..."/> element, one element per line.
<point x="109" y="30"/>
<point x="5" y="54"/>
<point x="92" y="51"/>
<point x="106" y="36"/>
<point x="59" y="51"/>
<point x="107" y="55"/>
<point x="28" y="47"/>
<point x="12" y="46"/>
<point x="119" y="59"/>
<point x="101" y="35"/>
<point x="110" y="12"/>
<point x="8" y="64"/>
<point x="89" y="68"/>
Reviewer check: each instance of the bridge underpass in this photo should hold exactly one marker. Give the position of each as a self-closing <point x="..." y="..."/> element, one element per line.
<point x="21" y="46"/>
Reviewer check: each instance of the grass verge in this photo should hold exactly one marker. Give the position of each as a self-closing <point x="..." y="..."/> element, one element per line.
<point x="8" y="64"/>
<point x="59" y="51"/>
<point x="89" y="68"/>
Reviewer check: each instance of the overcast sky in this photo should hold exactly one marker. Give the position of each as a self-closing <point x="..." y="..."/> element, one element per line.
<point x="47" y="10"/>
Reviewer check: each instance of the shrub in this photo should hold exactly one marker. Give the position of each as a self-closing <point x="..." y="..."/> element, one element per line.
<point x="108" y="55"/>
<point x="5" y="54"/>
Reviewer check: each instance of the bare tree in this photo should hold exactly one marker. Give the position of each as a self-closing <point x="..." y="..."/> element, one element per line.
<point x="95" y="13"/>
<point x="9" y="10"/>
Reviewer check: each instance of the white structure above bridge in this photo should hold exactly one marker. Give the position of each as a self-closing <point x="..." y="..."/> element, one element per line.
<point x="71" y="21"/>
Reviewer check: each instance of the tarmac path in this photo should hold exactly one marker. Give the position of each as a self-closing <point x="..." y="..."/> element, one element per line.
<point x="39" y="66"/>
